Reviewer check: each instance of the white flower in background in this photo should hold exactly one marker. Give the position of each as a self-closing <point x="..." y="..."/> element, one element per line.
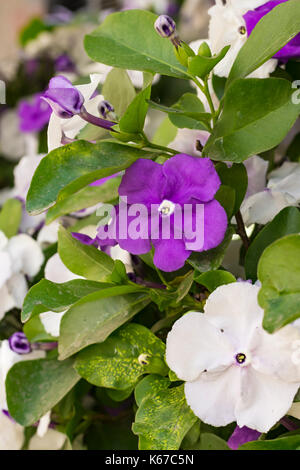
<point x="228" y="27"/>
<point x="11" y="433"/>
<point x="159" y="6"/>
<point x="185" y="141"/>
<point x="234" y="370"/>
<point x="20" y="256"/>
<point x="283" y="190"/>
<point x="13" y="143"/>
<point x="52" y="440"/>
<point x="71" y="127"/>
<point x="257" y="169"/>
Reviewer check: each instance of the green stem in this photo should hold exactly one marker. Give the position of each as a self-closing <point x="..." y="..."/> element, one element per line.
<point x="205" y="90"/>
<point x="149" y="144"/>
<point x="162" y="278"/>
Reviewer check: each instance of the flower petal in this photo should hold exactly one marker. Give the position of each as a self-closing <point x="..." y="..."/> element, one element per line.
<point x="170" y="255"/>
<point x="194" y="345"/>
<point x="56" y="271"/>
<point x="262" y="207"/>
<point x="26" y="254"/>
<point x="264" y="400"/>
<point x="234" y="309"/>
<point x="212" y="397"/>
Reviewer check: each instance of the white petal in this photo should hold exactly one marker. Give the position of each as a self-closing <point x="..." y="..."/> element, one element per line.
<point x="11" y="434"/>
<point x="44" y="424"/>
<point x="54" y="133"/>
<point x="262" y="207"/>
<point x="53" y="440"/>
<point x="234" y="309"/>
<point x="24" y="172"/>
<point x="265" y="400"/>
<point x="51" y="322"/>
<point x="56" y="271"/>
<point x="257" y="174"/>
<point x="5" y="267"/>
<point x="88" y="89"/>
<point x="194" y="345"/>
<point x="7" y="302"/>
<point x="26" y="254"/>
<point x="17" y="288"/>
<point x="116" y="252"/>
<point x="48" y="233"/>
<point x="277" y="354"/>
<point x="212" y="397"/>
<point x="286" y="180"/>
<point x="3" y="241"/>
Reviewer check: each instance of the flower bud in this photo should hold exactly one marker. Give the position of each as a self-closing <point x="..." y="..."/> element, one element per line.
<point x="106" y="109"/>
<point x="19" y="343"/>
<point x="165" y="26"/>
<point x="204" y="50"/>
<point x="183" y="52"/>
<point x="65" y="100"/>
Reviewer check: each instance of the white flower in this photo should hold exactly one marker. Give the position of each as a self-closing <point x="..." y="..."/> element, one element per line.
<point x="11" y="434"/>
<point x="185" y="141"/>
<point x="234" y="370"/>
<point x="71" y="127"/>
<point x="19" y="256"/>
<point x="52" y="440"/>
<point x="13" y="143"/>
<point x="227" y="27"/>
<point x="283" y="190"/>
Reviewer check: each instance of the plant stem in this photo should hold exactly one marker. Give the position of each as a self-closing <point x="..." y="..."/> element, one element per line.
<point x="241" y="230"/>
<point x="149" y="144"/>
<point x="96" y="121"/>
<point x="162" y="278"/>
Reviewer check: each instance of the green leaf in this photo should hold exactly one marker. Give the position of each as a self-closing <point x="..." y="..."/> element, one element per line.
<point x="271" y="33"/>
<point x="226" y="197"/>
<point x="119" y="274"/>
<point x="279" y="273"/>
<point x="118" y="90"/>
<point x="185" y="286"/>
<point x="96" y="316"/>
<point x="149" y="386"/>
<point x="47" y="296"/>
<point x="119" y="361"/>
<point x="32" y="30"/>
<point x="211" y="259"/>
<point x="257" y="115"/>
<point x="128" y="40"/>
<point x="83" y="260"/>
<point x="209" y="441"/>
<point x="10" y="217"/>
<point x="188" y="112"/>
<point x="163" y="420"/>
<point x="201" y="66"/>
<point x="236" y="178"/>
<point x="281" y="443"/>
<point x="35" y="331"/>
<point x="66" y="170"/>
<point x="133" y="120"/>
<point x="165" y="134"/>
<point x="34" y="387"/>
<point x="84" y="198"/>
<point x="213" y="279"/>
<point x="285" y="223"/>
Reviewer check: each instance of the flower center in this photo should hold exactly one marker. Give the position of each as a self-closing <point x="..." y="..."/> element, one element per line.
<point x="166" y="208"/>
<point x="241" y="358"/>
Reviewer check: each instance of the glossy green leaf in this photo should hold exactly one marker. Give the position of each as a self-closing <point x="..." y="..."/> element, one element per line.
<point x="47" y="296"/>
<point x="128" y="40"/>
<point x="165" y="134"/>
<point x="10" y="217"/>
<point x="35" y="387"/>
<point x="149" y="386"/>
<point x="226" y="197"/>
<point x="213" y="279"/>
<point x="66" y="170"/>
<point x="96" y="316"/>
<point x="285" y="223"/>
<point x="163" y="420"/>
<point x="281" y="443"/>
<point x="84" y="198"/>
<point x="201" y="66"/>
<point x="209" y="441"/>
<point x="236" y="178"/>
<point x="83" y="260"/>
<point x="257" y="115"/>
<point x="271" y="33"/>
<point x="118" y="90"/>
<point x="279" y="273"/>
<point x="35" y="331"/>
<point x="119" y="361"/>
<point x="134" y="117"/>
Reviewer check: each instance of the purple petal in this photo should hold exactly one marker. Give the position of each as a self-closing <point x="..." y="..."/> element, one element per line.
<point x="63" y="63"/>
<point x="60" y="82"/>
<point x="170" y="255"/>
<point x="19" y="343"/>
<point x="241" y="436"/>
<point x="103" y="180"/>
<point x="85" y="239"/>
<point x="252" y="17"/>
<point x="215" y="225"/>
<point x="143" y="183"/>
<point x="34" y="115"/>
<point x="190" y="178"/>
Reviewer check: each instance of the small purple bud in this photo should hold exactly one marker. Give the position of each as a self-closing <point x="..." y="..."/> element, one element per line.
<point x="105" y="108"/>
<point x="65" y="100"/>
<point x="19" y="343"/>
<point x="63" y="63"/>
<point x="165" y="26"/>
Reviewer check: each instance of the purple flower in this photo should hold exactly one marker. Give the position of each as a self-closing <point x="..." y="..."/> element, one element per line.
<point x="19" y="343"/>
<point x="34" y="115"/>
<point x="63" y="63"/>
<point x="252" y="17"/>
<point x="242" y="435"/>
<point x="165" y="26"/>
<point x="63" y="97"/>
<point x="178" y="195"/>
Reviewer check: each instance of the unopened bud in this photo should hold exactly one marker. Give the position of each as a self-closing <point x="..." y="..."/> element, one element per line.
<point x="166" y="28"/>
<point x="204" y="50"/>
<point x="106" y="108"/>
